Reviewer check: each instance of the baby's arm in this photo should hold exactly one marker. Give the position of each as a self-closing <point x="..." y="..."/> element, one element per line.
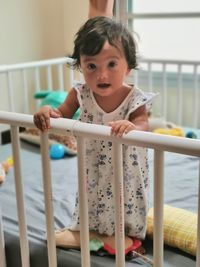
<point x="101" y="8"/>
<point x="65" y="110"/>
<point x="138" y="120"/>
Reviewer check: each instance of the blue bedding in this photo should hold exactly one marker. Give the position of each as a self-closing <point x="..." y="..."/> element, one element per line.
<point x="180" y="190"/>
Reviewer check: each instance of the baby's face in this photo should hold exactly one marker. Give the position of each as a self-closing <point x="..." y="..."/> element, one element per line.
<point x="105" y="72"/>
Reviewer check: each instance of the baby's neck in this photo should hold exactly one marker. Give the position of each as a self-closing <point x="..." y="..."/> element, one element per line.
<point x="113" y="101"/>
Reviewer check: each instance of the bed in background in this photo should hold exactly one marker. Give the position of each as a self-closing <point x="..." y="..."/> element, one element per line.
<point x="180" y="187"/>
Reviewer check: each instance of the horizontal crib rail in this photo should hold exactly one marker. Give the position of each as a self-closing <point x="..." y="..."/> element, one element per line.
<point x="159" y="143"/>
<point x="40" y="63"/>
<point x="170" y="61"/>
<point x="145" y="139"/>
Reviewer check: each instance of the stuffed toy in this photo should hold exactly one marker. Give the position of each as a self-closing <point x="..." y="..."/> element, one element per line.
<point x="53" y="99"/>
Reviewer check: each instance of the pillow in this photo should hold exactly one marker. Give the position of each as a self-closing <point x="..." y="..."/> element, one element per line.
<point x="33" y="136"/>
<point x="180" y="228"/>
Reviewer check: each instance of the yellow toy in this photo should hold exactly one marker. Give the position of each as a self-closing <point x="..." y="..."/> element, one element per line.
<point x="4" y="168"/>
<point x="172" y="131"/>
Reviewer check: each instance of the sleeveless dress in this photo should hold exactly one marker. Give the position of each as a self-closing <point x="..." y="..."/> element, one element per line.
<point x="99" y="169"/>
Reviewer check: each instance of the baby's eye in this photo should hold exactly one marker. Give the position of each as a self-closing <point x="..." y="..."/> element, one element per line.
<point x="112" y="64"/>
<point x="91" y="66"/>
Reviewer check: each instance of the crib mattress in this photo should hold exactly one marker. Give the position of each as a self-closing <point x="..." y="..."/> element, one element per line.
<point x="180" y="190"/>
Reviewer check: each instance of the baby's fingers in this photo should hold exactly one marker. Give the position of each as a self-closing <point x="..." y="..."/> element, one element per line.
<point x="116" y="128"/>
<point x="55" y="113"/>
<point x="42" y="121"/>
<point x="121" y="127"/>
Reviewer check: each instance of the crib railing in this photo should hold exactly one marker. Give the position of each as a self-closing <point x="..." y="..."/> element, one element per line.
<point x="38" y="78"/>
<point x="159" y="143"/>
<point x="178" y="84"/>
<point x="176" y="81"/>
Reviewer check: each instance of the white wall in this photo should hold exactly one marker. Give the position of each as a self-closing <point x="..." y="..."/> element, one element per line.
<point x="37" y="29"/>
<point x="76" y="13"/>
<point x="34" y="30"/>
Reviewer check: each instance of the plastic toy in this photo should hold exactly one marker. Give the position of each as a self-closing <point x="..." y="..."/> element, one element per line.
<point x="57" y="151"/>
<point x="191" y="134"/>
<point x="71" y="239"/>
<point x="101" y="244"/>
<point x="4" y="168"/>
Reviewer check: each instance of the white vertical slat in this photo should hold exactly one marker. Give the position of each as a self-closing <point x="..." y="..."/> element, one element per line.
<point x="158" y="208"/>
<point x="135" y="78"/>
<point x="47" y="186"/>
<point x="122" y="11"/>
<point x="80" y="77"/>
<point x="119" y="204"/>
<point x="2" y="244"/>
<point x="164" y="97"/>
<point x="195" y="99"/>
<point x="24" y="248"/>
<point x="49" y="78"/>
<point x="198" y="225"/>
<point x="60" y="77"/>
<point x="179" y="96"/>
<point x="37" y="79"/>
<point x="25" y="88"/>
<point x="37" y="83"/>
<point x="150" y="77"/>
<point x="10" y="91"/>
<point x="116" y="11"/>
<point x="71" y="78"/>
<point x="83" y="203"/>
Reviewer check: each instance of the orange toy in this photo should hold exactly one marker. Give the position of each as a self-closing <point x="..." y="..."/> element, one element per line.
<point x="4" y="168"/>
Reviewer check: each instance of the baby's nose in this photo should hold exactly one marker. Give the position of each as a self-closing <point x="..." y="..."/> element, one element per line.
<point x="102" y="74"/>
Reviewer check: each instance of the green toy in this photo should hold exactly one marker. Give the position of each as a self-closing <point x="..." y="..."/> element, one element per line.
<point x="54" y="99"/>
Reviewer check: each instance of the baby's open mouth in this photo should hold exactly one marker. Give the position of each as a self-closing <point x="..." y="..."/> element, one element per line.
<point x="103" y="85"/>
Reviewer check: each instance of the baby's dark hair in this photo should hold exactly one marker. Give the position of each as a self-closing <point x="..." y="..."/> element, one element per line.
<point x="91" y="37"/>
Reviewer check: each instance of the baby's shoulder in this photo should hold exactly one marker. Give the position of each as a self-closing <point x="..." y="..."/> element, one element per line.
<point x="136" y="92"/>
<point x="81" y="87"/>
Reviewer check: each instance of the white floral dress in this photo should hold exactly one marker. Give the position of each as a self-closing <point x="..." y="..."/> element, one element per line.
<point x="99" y="169"/>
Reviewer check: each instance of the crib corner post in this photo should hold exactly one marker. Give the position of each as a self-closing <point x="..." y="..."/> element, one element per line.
<point x="198" y="225"/>
<point x="2" y="244"/>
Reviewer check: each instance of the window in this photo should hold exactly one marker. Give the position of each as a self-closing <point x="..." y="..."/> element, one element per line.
<point x="164" y="29"/>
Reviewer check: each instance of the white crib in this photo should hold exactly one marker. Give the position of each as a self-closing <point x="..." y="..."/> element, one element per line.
<point x="14" y="118"/>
